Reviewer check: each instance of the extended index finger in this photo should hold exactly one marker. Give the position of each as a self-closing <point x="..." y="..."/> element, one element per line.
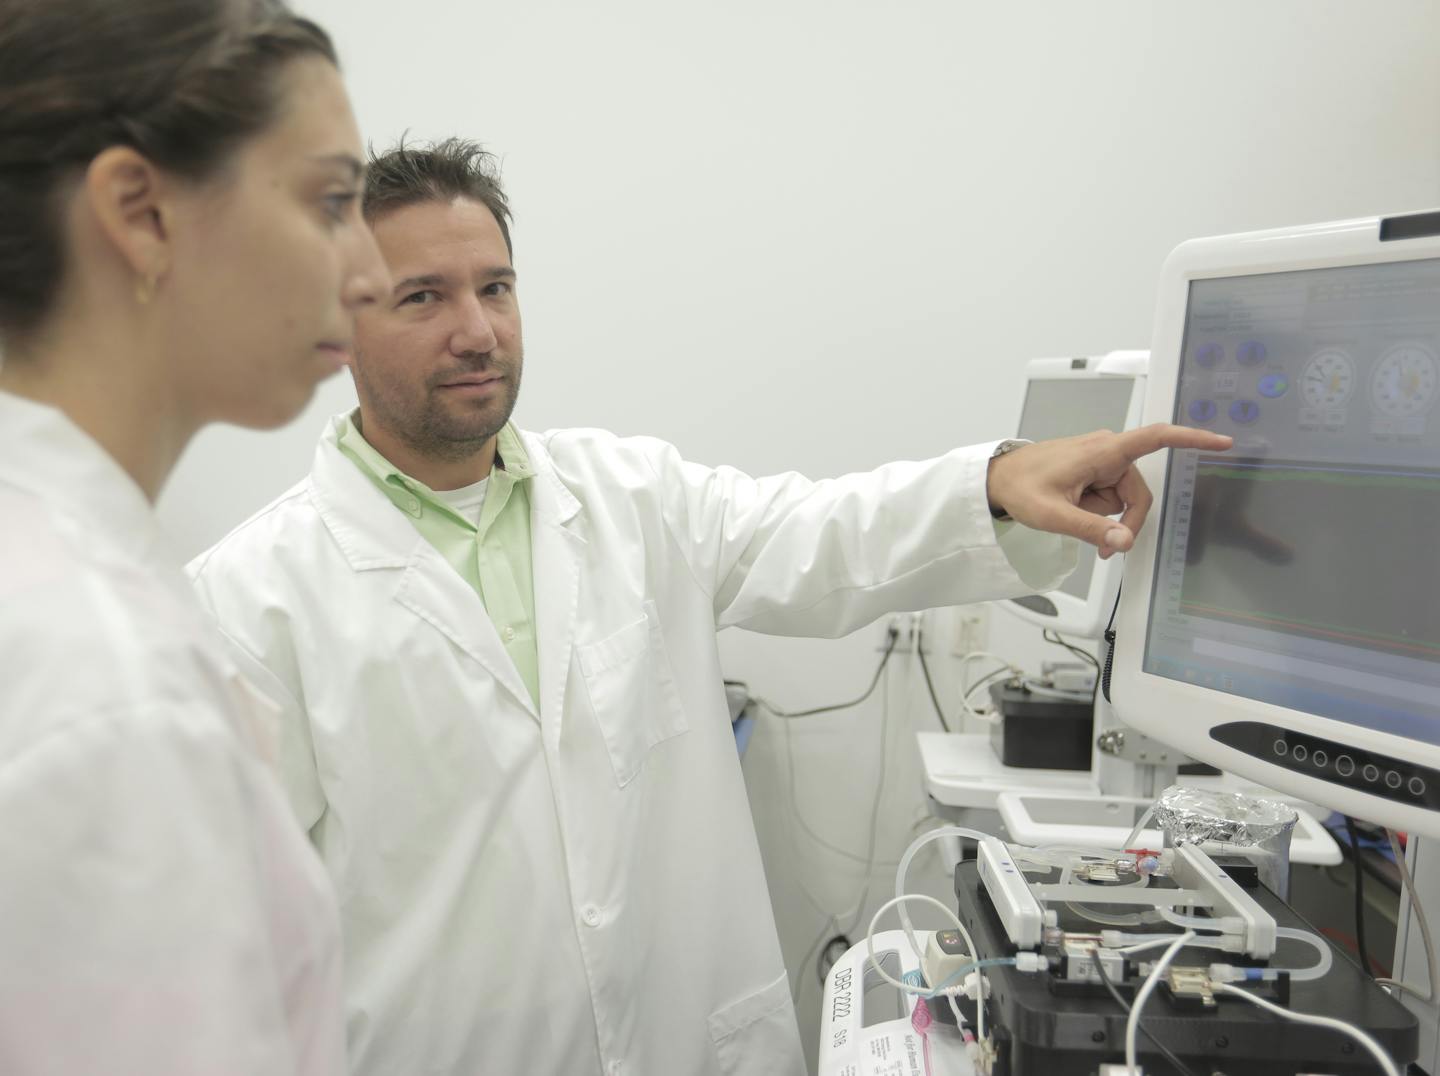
<point x="1158" y="435"/>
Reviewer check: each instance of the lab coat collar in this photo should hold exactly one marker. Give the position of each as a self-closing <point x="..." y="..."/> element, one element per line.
<point x="365" y="525"/>
<point x="372" y="534"/>
<point x="553" y="501"/>
<point x="46" y="454"/>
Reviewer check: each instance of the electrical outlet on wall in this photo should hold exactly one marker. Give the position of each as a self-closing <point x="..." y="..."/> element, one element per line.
<point x="908" y="627"/>
<point x="972" y="629"/>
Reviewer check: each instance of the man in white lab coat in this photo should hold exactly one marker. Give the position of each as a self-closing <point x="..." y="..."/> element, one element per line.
<point x="505" y="726"/>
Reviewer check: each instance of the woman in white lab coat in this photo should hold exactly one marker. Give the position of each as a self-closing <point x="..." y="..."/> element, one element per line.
<point x="179" y="244"/>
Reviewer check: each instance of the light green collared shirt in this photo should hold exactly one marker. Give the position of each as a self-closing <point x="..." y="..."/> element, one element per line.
<point x="493" y="556"/>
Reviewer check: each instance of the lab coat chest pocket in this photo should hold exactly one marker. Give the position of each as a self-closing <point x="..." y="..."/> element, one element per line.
<point x="632" y="692"/>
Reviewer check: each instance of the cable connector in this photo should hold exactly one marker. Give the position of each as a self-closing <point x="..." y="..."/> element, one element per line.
<point x="976" y="986"/>
<point x="1230" y="973"/>
<point x="1031" y="962"/>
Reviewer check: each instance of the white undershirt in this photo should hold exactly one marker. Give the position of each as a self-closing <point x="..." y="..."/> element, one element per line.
<point x="468" y="501"/>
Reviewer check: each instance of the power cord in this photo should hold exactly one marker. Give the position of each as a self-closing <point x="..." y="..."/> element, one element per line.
<point x="929" y="684"/>
<point x="775" y="711"/>
<point x="1184" y="1069"/>
<point x="1361" y="948"/>
<point x="1109" y="648"/>
<point x="1428" y="994"/>
<point x="1387" y="1065"/>
<point x="832" y="922"/>
<point x="1132" y="1025"/>
<point x="1053" y="637"/>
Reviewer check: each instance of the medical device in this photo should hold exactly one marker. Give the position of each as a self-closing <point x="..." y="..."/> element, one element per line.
<point x="1063" y="398"/>
<point x="1279" y="619"/>
<point x="1281" y="612"/>
<point x="1051" y="937"/>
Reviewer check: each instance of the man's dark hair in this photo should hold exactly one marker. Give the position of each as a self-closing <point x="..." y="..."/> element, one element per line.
<point x="435" y="172"/>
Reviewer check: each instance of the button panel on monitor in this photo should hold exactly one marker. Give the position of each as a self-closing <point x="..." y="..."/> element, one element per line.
<point x="1340" y="764"/>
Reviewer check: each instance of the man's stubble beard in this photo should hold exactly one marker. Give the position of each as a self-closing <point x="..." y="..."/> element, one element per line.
<point x="429" y="431"/>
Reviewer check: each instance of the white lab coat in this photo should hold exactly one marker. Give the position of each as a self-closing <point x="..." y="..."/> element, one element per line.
<point x="577" y="890"/>
<point x="159" y="913"/>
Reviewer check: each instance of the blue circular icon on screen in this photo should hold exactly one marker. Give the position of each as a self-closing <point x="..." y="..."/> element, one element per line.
<point x="1274" y="385"/>
<point x="1244" y="411"/>
<point x="1208" y="355"/>
<point x="1251" y="353"/>
<point x="1203" y="410"/>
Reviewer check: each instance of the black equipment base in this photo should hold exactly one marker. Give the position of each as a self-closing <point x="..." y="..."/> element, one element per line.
<point x="1046" y="1027"/>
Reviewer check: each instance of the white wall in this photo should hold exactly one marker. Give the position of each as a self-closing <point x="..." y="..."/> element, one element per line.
<point x="819" y="235"/>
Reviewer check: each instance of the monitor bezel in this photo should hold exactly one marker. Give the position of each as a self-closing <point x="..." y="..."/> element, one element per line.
<point x="1183" y="714"/>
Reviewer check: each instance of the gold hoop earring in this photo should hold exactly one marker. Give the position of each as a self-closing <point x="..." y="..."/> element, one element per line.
<point x="145" y="290"/>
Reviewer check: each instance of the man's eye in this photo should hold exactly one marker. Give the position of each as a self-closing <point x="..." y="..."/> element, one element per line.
<point x="420" y="298"/>
<point x="498" y="288"/>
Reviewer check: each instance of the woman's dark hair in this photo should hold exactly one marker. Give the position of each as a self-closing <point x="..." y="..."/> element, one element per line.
<point x="184" y="82"/>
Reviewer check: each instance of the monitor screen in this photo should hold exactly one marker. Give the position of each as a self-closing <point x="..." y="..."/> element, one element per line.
<point x="1065" y="407"/>
<point x="1303" y="568"/>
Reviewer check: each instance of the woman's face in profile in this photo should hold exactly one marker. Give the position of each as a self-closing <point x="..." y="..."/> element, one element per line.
<point x="271" y="260"/>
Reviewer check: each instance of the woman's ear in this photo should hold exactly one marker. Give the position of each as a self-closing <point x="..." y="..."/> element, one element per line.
<point x="127" y="196"/>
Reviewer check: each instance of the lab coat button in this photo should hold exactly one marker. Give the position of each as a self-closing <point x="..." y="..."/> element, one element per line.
<point x="591" y="915"/>
<point x="509" y="635"/>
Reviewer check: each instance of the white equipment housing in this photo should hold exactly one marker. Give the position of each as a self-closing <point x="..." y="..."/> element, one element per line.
<point x="1281" y="610"/>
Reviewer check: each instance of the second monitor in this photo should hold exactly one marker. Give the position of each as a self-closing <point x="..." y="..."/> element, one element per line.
<point x="1064" y="398"/>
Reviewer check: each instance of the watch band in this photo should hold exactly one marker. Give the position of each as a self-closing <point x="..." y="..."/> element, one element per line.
<point x="1004" y="447"/>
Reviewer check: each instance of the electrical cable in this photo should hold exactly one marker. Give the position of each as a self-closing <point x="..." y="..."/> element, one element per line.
<point x="805" y="960"/>
<point x="929" y="684"/>
<point x="938" y="833"/>
<point x="987" y="716"/>
<point x="1053" y="637"/>
<point x="875" y="806"/>
<point x="967" y="689"/>
<point x="869" y="861"/>
<point x="1361" y="948"/>
<point x="795" y="811"/>
<point x="1132" y="1025"/>
<point x="1184" y="1069"/>
<point x="1109" y="637"/>
<point x="1429" y="993"/>
<point x="788" y="714"/>
<point x="908" y="988"/>
<point x="795" y="805"/>
<point x="1387" y="1065"/>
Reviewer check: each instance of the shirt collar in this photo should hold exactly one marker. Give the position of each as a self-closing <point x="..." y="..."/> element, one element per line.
<point x="47" y="455"/>
<point x="410" y="495"/>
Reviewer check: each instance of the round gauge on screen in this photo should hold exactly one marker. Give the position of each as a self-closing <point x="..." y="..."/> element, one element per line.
<point x="1251" y="353"/>
<point x="1405" y="381"/>
<point x="1208" y="355"/>
<point x="1328" y="378"/>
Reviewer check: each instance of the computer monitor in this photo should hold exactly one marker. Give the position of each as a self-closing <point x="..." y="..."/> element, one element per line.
<point x="1065" y="397"/>
<point x="1281" y="610"/>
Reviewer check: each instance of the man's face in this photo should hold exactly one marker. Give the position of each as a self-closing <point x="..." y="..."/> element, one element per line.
<point x="437" y="363"/>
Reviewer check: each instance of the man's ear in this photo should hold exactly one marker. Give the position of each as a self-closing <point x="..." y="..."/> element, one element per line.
<point x="126" y="194"/>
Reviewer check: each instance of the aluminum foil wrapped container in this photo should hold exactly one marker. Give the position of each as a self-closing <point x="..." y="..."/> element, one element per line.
<point x="1196" y="815"/>
<point x="1256" y="828"/>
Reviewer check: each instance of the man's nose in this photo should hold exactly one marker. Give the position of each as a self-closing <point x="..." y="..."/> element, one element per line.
<point x="474" y="333"/>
